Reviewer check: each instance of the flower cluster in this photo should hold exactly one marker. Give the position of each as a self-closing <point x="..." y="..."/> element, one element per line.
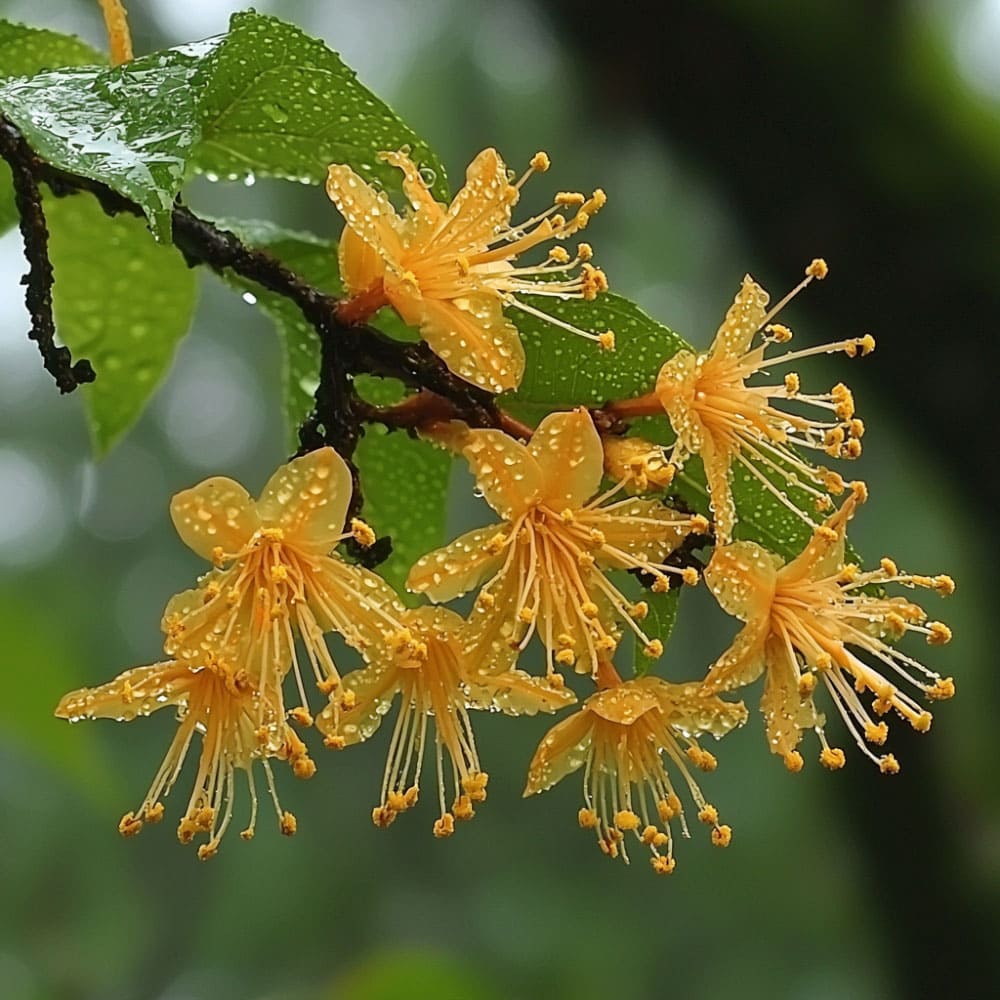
<point x="587" y="537"/>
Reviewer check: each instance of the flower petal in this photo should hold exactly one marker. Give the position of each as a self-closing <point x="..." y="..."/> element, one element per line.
<point x="568" y="450"/>
<point x="742" y="577"/>
<point x="718" y="461"/>
<point x="415" y="187"/>
<point x="361" y="265"/>
<point x="217" y="513"/>
<point x="743" y="662"/>
<point x="506" y="472"/>
<point x="456" y="568"/>
<point x="482" y="208"/>
<point x="139" y="691"/>
<point x="307" y="499"/>
<point x="624" y="704"/>
<point x="514" y="692"/>
<point x="474" y="339"/>
<point x="786" y="714"/>
<point x="645" y="529"/>
<point x="742" y="321"/>
<point x="691" y="710"/>
<point x="563" y="750"/>
<point x="488" y="637"/>
<point x="823" y="556"/>
<point x="366" y="211"/>
<point x="374" y="688"/>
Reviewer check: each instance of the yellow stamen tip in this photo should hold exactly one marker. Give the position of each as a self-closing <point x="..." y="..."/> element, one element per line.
<point x="793" y="761"/>
<point x="362" y="532"/>
<point x="607" y="340"/>
<point x="722" y="836"/>
<point x="540" y="162"/>
<point x="832" y="758"/>
<point x="888" y="764"/>
<point x="817" y="269"/>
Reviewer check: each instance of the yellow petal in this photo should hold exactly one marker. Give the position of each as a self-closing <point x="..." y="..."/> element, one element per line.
<point x="488" y="637"/>
<point x="743" y="662"/>
<point x="482" y="208"/>
<point x="307" y="499"/>
<point x="563" y="750"/>
<point x="474" y="339"/>
<point x="642" y="528"/>
<point x="742" y="321"/>
<point x="374" y="688"/>
<point x="568" y="450"/>
<point x="453" y="570"/>
<point x="823" y="556"/>
<point x="355" y="602"/>
<point x="139" y="691"/>
<point x="506" y="472"/>
<point x="514" y="692"/>
<point x="415" y="188"/>
<point x="361" y="265"/>
<point x="366" y="211"/>
<point x="786" y="714"/>
<point x="624" y="704"/>
<point x="217" y="513"/>
<point x="691" y="710"/>
<point x="717" y="462"/>
<point x="742" y="577"/>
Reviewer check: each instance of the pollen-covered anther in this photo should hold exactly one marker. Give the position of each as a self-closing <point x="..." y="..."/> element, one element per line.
<point x="709" y="815"/>
<point x="702" y="759"/>
<point x="348" y="700"/>
<point x="938" y="634"/>
<point x="589" y="609"/>
<point x="778" y="332"/>
<point x="362" y="533"/>
<point x="218" y="556"/>
<point x="662" y="865"/>
<point x="862" y="345"/>
<point x="474" y="785"/>
<point x="792" y="384"/>
<point x="334" y="741"/>
<point x="876" y="733"/>
<point x="944" y="585"/>
<point x="793" y="761"/>
<point x="303" y="767"/>
<point x="942" y="689"/>
<point x="485" y="600"/>
<point x="153" y="813"/>
<point x="638" y="611"/>
<point x="279" y="573"/>
<point x="526" y="615"/>
<point x="462" y="808"/>
<point x="888" y="764"/>
<point x="807" y="684"/>
<point x="817" y="269"/>
<point x="129" y="825"/>
<point x="328" y="685"/>
<point x="722" y="836"/>
<point x="653" y="649"/>
<point x="569" y="199"/>
<point x="625" y="820"/>
<point x="289" y="824"/>
<point x="607" y="340"/>
<point x="540" y="162"/>
<point x="690" y="576"/>
<point x="207" y="851"/>
<point x="445" y="826"/>
<point x="301" y="716"/>
<point x="832" y="758"/>
<point x="587" y="819"/>
<point x="922" y="722"/>
<point x="383" y="816"/>
<point x="584" y="252"/>
<point x="565" y="657"/>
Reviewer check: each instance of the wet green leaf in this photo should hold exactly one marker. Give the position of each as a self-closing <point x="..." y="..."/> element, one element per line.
<point x="24" y="51"/>
<point x="282" y="104"/>
<point x="565" y="370"/>
<point x="130" y="126"/>
<point x="658" y="624"/>
<point x="122" y="301"/>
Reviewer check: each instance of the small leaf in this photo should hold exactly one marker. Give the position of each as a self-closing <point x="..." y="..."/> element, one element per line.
<point x="122" y="301"/>
<point x="129" y="127"/>
<point x="659" y="624"/>
<point x="23" y="52"/>
<point x="282" y="104"/>
<point x="565" y="370"/>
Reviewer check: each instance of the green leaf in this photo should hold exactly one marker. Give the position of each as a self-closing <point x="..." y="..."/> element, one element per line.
<point x="282" y="104"/>
<point x="23" y="52"/>
<point x="564" y="370"/>
<point x="658" y="624"/>
<point x="121" y="300"/>
<point x="130" y="126"/>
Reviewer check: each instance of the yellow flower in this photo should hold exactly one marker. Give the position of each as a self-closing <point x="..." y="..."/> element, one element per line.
<point x="238" y="726"/>
<point x="731" y="425"/>
<point x="435" y="680"/>
<point x="449" y="269"/>
<point x="620" y="735"/>
<point x="275" y="576"/>
<point x="803" y="621"/>
<point x="546" y="563"/>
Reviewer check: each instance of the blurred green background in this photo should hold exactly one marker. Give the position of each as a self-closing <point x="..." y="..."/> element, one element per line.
<point x="730" y="136"/>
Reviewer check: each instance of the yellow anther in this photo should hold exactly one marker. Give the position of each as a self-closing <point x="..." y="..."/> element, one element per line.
<point x="832" y="758"/>
<point x="856" y="428"/>
<point x="660" y="839"/>
<point x="653" y="649"/>
<point x="877" y="734"/>
<point x="497" y="543"/>
<point x="607" y="340"/>
<point x="396" y="801"/>
<point x="942" y="689"/>
<point x="462" y="809"/>
<point x="888" y="764"/>
<point x="817" y="269"/>
<point x="922" y="722"/>
<point x="638" y="611"/>
<point x="660" y="584"/>
<point x="334" y="742"/>
<point x="559" y="254"/>
<point x="944" y="585"/>
<point x="867" y="344"/>
<point x="584" y="252"/>
<point x="823" y="661"/>
<point x="186" y="830"/>
<point x="301" y="716"/>
<point x="540" y="162"/>
<point x="486" y="600"/>
<point x="272" y="534"/>
<point x="218" y="555"/>
<point x="722" y="836"/>
<point x="212" y="590"/>
<point x="382" y="816"/>
<point x="852" y="449"/>
<point x="569" y="199"/>
<point x="362" y="532"/>
<point x="605" y="644"/>
<point x="289" y="824"/>
<point x="566" y="657"/>
<point x="587" y="819"/>
<point x="567" y="516"/>
<point x="648" y="833"/>
<point x="939" y="634"/>
<point x="668" y="808"/>
<point x="348" y="700"/>
<point x="412" y="794"/>
<point x="328" y="685"/>
<point x="793" y="761"/>
<point x="807" y="684"/>
<point x="589" y="609"/>
<point x="153" y="813"/>
<point x="445" y="826"/>
<point x="689" y="575"/>
<point x="303" y="767"/>
<point x="625" y="819"/>
<point x="130" y="825"/>
<point x="526" y="615"/>
<point x="207" y="851"/>
<point x="888" y="566"/>
<point x="709" y="815"/>
<point x="780" y="333"/>
<point x="792" y="384"/>
<point x="702" y="759"/>
<point x="662" y="865"/>
<point x="596" y="201"/>
<point x="204" y="818"/>
<point x="279" y="573"/>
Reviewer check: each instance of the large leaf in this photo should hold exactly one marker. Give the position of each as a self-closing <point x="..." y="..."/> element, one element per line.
<point x="130" y="126"/>
<point x="24" y="51"/>
<point x="564" y="370"/>
<point x="121" y="300"/>
<point x="282" y="104"/>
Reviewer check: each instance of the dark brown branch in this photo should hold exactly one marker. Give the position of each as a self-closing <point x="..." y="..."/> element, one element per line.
<point x="38" y="281"/>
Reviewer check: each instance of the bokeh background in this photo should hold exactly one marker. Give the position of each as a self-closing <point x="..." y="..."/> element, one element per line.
<point x="730" y="135"/>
